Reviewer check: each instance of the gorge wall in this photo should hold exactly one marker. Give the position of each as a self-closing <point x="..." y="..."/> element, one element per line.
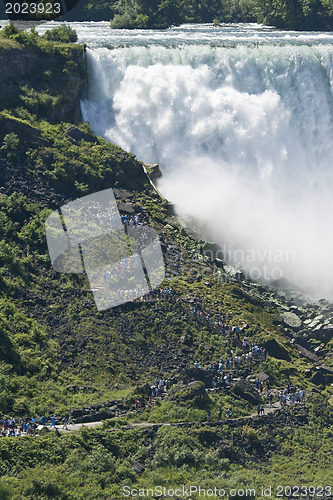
<point x="47" y="80"/>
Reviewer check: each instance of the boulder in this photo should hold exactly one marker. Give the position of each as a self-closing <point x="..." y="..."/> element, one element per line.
<point x="245" y="390"/>
<point x="323" y="375"/>
<point x="193" y="393"/>
<point x="205" y="376"/>
<point x="292" y="320"/>
<point x="126" y="207"/>
<point x="74" y="135"/>
<point x="186" y="339"/>
<point x="138" y="468"/>
<point x="262" y="376"/>
<point x="306" y="353"/>
<point x="242" y="294"/>
<point x="122" y="194"/>
<point x="144" y="389"/>
<point x="154" y="171"/>
<point x="72" y="387"/>
<point x="276" y="350"/>
<point x="324" y="332"/>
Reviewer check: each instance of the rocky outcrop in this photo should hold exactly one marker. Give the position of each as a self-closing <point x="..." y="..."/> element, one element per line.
<point x="291" y="319"/>
<point x="276" y="349"/>
<point x="189" y="374"/>
<point x="96" y="412"/>
<point x="323" y="375"/>
<point x="247" y="391"/>
<point x="154" y="171"/>
<point x="193" y="393"/>
<point x="49" y="83"/>
<point x="75" y="135"/>
<point x="17" y="64"/>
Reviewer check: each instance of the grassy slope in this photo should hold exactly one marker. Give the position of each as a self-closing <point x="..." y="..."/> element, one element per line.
<point x="52" y="336"/>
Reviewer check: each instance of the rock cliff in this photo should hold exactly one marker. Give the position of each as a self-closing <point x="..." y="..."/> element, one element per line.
<point x="47" y="80"/>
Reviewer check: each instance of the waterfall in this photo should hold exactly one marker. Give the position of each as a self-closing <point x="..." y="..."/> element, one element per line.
<point x="244" y="138"/>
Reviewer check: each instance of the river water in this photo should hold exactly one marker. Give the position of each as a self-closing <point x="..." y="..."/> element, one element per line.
<point x="240" y="119"/>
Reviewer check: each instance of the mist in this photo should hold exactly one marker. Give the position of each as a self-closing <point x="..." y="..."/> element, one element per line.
<point x="244" y="138"/>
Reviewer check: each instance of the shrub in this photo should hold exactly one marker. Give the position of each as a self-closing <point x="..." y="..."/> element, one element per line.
<point x="62" y="34"/>
<point x="9" y="31"/>
<point x="10" y="145"/>
<point x="251" y="435"/>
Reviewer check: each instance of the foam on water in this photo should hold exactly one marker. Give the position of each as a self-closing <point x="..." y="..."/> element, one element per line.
<point x="244" y="139"/>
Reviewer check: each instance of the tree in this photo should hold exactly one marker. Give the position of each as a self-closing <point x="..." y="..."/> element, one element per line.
<point x="63" y="34"/>
<point x="10" y="145"/>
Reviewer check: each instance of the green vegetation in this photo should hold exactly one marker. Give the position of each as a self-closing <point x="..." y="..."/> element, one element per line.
<point x="31" y="94"/>
<point x="60" y="34"/>
<point x="59" y="354"/>
<point x="97" y="464"/>
<point x="160" y="14"/>
<point x="290" y="14"/>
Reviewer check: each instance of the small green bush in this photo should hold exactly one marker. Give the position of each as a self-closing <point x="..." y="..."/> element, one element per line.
<point x="62" y="34"/>
<point x="10" y="145"/>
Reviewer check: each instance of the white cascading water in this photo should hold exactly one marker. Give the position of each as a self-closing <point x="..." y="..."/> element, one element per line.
<point x="244" y="138"/>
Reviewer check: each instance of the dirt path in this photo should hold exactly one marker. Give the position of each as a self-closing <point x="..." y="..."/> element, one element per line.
<point x="75" y="427"/>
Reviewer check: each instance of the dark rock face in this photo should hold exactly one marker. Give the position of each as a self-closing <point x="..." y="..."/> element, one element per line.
<point x="245" y="390"/>
<point x="74" y="135"/>
<point x="19" y="65"/>
<point x="306" y="353"/>
<point x="276" y="350"/>
<point x="323" y="375"/>
<point x="126" y="207"/>
<point x="16" y="63"/>
<point x="143" y="389"/>
<point x="155" y="171"/>
<point x="193" y="393"/>
<point x="190" y="374"/>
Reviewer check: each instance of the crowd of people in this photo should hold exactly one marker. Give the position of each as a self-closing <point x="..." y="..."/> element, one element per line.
<point x="159" y="388"/>
<point x="289" y="395"/>
<point x="254" y="352"/>
<point x="110" y="218"/>
<point x="158" y="293"/>
<point x="225" y="368"/>
<point x="123" y="279"/>
<point x="11" y="427"/>
<point x="119" y="270"/>
<point x="161" y="385"/>
<point x="292" y="395"/>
